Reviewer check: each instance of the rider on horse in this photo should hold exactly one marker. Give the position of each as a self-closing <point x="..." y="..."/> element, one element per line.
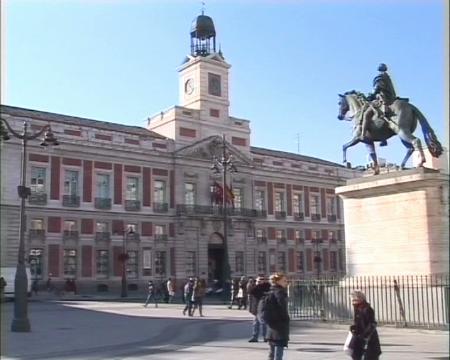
<point x="383" y="96"/>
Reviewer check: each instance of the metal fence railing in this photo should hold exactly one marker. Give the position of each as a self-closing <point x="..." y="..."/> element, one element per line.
<point x="408" y="301"/>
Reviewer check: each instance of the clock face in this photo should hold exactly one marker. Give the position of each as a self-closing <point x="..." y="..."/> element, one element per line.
<point x="189" y="86"/>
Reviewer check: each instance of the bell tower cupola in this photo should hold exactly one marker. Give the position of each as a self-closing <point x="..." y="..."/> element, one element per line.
<point x="203" y="36"/>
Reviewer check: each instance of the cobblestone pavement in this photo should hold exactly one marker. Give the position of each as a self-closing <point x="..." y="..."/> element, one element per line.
<point x="127" y="330"/>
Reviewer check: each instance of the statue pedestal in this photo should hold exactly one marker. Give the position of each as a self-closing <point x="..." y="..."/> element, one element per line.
<point x="397" y="223"/>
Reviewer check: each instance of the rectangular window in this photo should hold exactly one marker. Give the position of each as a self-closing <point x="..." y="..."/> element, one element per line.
<point x="238" y="198"/>
<point x="214" y="84"/>
<point x="35" y="258"/>
<point x="260" y="234"/>
<point x="191" y="263"/>
<point x="331" y="235"/>
<point x="260" y="200"/>
<point x="159" y="191"/>
<point x="279" y="201"/>
<point x="331" y="205"/>
<point x="102" y="261"/>
<point x="272" y="261"/>
<point x="132" y="190"/>
<point x="333" y="261"/>
<point x="239" y="262"/>
<point x="279" y="235"/>
<point x="160" y="263"/>
<point x="70" y="263"/>
<point x="314" y="204"/>
<point x="103" y="183"/>
<point x="160" y="229"/>
<point x="37" y="224"/>
<point x="132" y="265"/>
<point x="147" y="262"/>
<point x="299" y="235"/>
<point x="297" y="203"/>
<point x="281" y="261"/>
<point x="101" y="226"/>
<point x="315" y="236"/>
<point x="189" y="193"/>
<point x="37" y="182"/>
<point x="262" y="262"/>
<point x="71" y="182"/>
<point x="300" y="262"/>
<point x="70" y="226"/>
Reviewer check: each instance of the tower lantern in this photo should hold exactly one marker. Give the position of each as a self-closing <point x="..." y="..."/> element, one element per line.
<point x="203" y="36"/>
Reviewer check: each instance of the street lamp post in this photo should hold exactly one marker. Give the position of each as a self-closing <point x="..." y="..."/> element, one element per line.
<point x="20" y="321"/>
<point x="124" y="258"/>
<point x="224" y="165"/>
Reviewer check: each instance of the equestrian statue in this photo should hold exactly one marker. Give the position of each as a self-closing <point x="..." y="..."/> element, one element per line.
<point x="381" y="115"/>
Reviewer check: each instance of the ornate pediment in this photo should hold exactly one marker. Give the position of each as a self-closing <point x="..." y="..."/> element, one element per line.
<point x="210" y="147"/>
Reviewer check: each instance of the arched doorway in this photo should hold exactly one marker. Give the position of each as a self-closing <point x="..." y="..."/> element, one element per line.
<point x="215" y="258"/>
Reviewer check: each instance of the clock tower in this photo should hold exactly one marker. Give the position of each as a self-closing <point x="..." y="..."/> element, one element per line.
<point x="204" y="72"/>
<point x="204" y="95"/>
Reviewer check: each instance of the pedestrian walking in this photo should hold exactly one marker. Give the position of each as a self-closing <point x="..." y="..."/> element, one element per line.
<point x="35" y="286"/>
<point x="234" y="292"/>
<point x="364" y="328"/>
<point x="278" y="327"/>
<point x="242" y="293"/>
<point x="49" y="284"/>
<point x="170" y="290"/>
<point x="151" y="294"/>
<point x="256" y="292"/>
<point x="198" y="294"/>
<point x="188" y="292"/>
<point x="3" y="284"/>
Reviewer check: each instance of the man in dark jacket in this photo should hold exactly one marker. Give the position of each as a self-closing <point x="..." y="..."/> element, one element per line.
<point x="278" y="330"/>
<point x="256" y="292"/>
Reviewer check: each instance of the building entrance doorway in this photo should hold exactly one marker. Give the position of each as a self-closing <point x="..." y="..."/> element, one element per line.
<point x="215" y="263"/>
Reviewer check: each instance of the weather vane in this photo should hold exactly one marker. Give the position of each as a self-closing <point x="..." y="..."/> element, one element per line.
<point x="203" y="7"/>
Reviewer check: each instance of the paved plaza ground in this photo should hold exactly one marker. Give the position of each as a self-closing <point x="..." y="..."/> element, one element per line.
<point x="126" y="330"/>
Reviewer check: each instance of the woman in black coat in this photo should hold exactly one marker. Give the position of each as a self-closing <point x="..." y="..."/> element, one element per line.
<point x="364" y="327"/>
<point x="278" y="332"/>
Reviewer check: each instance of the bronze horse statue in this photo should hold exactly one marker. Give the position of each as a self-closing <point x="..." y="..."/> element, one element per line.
<point x="402" y="122"/>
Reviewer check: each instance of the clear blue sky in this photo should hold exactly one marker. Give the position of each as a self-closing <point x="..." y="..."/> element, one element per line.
<point x="117" y="61"/>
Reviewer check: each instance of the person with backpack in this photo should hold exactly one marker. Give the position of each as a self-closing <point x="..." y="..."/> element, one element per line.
<point x="151" y="294"/>
<point x="273" y="309"/>
<point x="255" y="294"/>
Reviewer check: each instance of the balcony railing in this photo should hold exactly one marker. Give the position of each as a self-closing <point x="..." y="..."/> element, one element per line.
<point x="160" y="237"/>
<point x="315" y="217"/>
<point x="280" y="214"/>
<point x="70" y="235"/>
<point x="102" y="236"/>
<point x="262" y="240"/>
<point x="160" y="207"/>
<point x="37" y="198"/>
<point x="281" y="240"/>
<point x="132" y="205"/>
<point x="36" y="234"/>
<point x="185" y="209"/>
<point x="133" y="236"/>
<point x="198" y="210"/>
<point x="331" y="218"/>
<point x="260" y="213"/>
<point x="71" y="200"/>
<point x="299" y="216"/>
<point x="102" y="203"/>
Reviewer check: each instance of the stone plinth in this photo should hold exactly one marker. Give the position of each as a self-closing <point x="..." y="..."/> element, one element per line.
<point x="397" y="223"/>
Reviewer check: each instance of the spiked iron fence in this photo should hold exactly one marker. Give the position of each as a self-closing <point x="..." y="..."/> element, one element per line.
<point x="407" y="301"/>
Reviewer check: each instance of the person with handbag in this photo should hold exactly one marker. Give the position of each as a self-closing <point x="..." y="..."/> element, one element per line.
<point x="365" y="342"/>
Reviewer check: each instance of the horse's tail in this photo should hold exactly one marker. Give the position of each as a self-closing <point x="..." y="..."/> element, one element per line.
<point x="433" y="144"/>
